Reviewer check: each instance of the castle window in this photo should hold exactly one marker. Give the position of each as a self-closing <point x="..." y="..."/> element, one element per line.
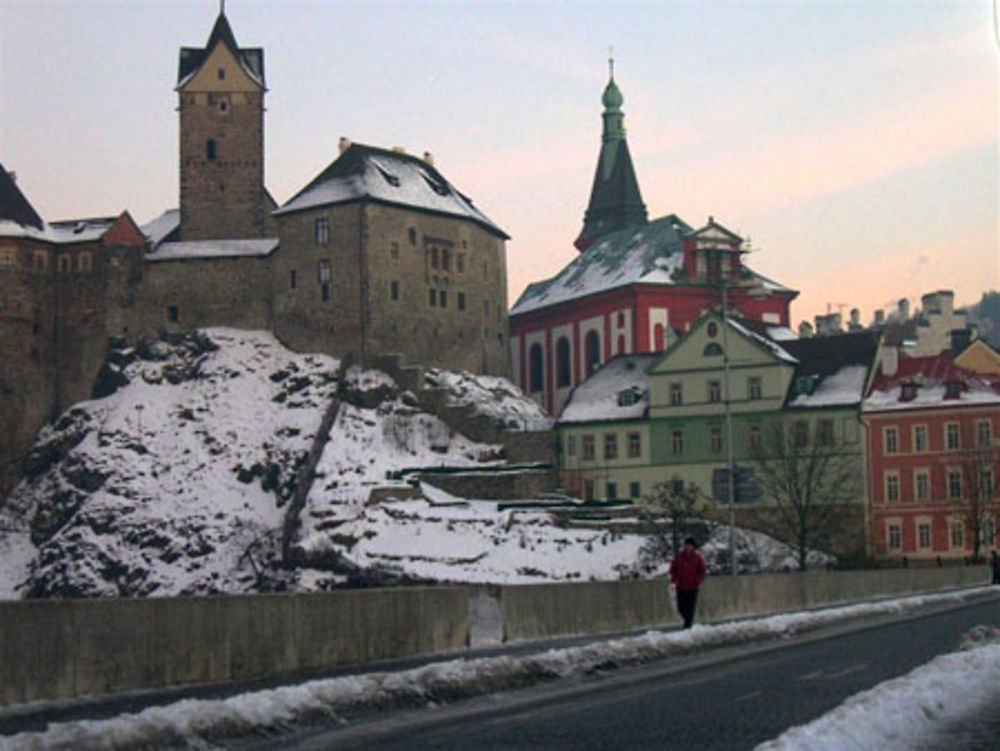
<point x="84" y="263"/>
<point x="292" y="278"/>
<point x="433" y="300"/>
<point x="562" y="362"/>
<point x="222" y="74"/>
<point x="394" y="290"/>
<point x="434" y="258"/>
<point x="413" y="236"/>
<point x="323" y="271"/>
<point x="224" y="106"/>
<point x="394" y="250"/>
<point x="40" y="261"/>
<point x="461" y="301"/>
<point x="445" y="259"/>
<point x="535" y="366"/>
<point x="8" y="258"/>
<point x="173" y="314"/>
<point x="325" y="292"/>
<point x="460" y="262"/>
<point x="210" y="151"/>
<point x="443" y="298"/>
<point x="64" y="263"/>
<point x="322" y="231"/>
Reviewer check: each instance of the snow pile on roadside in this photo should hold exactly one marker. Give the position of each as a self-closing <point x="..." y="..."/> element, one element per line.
<point x="912" y="711"/>
<point x="202" y="723"/>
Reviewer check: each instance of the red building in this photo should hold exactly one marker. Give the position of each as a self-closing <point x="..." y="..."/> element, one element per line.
<point x="636" y="285"/>
<point x="933" y="455"/>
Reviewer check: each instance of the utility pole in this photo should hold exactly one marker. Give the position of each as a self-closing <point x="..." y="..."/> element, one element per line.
<point x="730" y="469"/>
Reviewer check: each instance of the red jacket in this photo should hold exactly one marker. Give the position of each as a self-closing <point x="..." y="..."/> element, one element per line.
<point x="687" y="570"/>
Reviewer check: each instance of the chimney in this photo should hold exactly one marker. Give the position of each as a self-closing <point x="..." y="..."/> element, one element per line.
<point x="429" y="158"/>
<point x="880" y="317"/>
<point x="344" y="144"/>
<point x="805" y="330"/>
<point x="855" y="319"/>
<point x="904" y="309"/>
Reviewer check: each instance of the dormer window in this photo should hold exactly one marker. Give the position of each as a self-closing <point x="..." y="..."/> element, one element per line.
<point x="629" y="397"/>
<point x="908" y="392"/>
<point x="952" y="389"/>
<point x="805" y="384"/>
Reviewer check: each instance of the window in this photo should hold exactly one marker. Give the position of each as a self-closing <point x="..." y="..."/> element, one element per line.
<point x="676" y="394"/>
<point x="445" y="259"/>
<point x="621" y="345"/>
<point x="800" y="433"/>
<point x="588" y="448"/>
<point x="322" y="231"/>
<point x="714" y="391"/>
<point x="952" y="389"/>
<point x="621" y="319"/>
<point x="588" y="490"/>
<point x="754" y="438"/>
<point x="895" y="537"/>
<point x="432" y="300"/>
<point x="890" y="440"/>
<point x="892" y="487"/>
<point x="612" y="492"/>
<point x="323" y="271"/>
<point x="535" y="366"/>
<point x="634" y="490"/>
<point x="412" y="233"/>
<point x="715" y="439"/>
<point x="434" y="258"/>
<point x="924" y="535"/>
<point x="84" y="263"/>
<point x="677" y="442"/>
<point x="957" y="533"/>
<point x="712" y="329"/>
<point x="571" y="445"/>
<point x="325" y="292"/>
<point x="460" y="262"/>
<point x="754" y="388"/>
<point x="394" y="290"/>
<point x="628" y="397"/>
<point x="461" y="301"/>
<point x="984" y="433"/>
<point x="394" y="250"/>
<point x="40" y="261"/>
<point x="443" y="298"/>
<point x="592" y="352"/>
<point x="985" y="480"/>
<point x="952" y="438"/>
<point x="634" y="445"/>
<point x="610" y="446"/>
<point x="223" y="106"/>
<point x="562" y="362"/>
<point x="221" y="74"/>
<point x="8" y="258"/>
<point x="173" y="314"/>
<point x="210" y="152"/>
<point x="658" y="340"/>
<point x="919" y="438"/>
<point x="922" y="485"/>
<point x="293" y="279"/>
<point x="954" y="484"/>
<point x="712" y="349"/>
<point x="824" y="432"/>
<point x="64" y="263"/>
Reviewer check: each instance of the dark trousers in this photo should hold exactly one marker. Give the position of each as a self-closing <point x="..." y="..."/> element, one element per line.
<point x="996" y="575"/>
<point x="686" y="600"/>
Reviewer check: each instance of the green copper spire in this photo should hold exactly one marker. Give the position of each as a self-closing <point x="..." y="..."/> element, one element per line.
<point x="615" y="201"/>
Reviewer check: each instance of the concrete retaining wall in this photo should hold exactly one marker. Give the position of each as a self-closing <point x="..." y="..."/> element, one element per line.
<point x="62" y="648"/>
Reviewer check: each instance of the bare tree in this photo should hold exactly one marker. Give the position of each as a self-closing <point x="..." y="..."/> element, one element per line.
<point x="670" y="509"/>
<point x="980" y="464"/>
<point x="805" y="482"/>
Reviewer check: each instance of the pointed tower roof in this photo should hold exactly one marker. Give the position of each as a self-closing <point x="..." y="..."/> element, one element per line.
<point x="192" y="58"/>
<point x="14" y="207"/>
<point x="615" y="200"/>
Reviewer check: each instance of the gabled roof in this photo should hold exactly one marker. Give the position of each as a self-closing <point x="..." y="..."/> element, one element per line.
<point x="837" y="368"/>
<point x="251" y="59"/>
<point x="162" y="228"/>
<point x="930" y="375"/>
<point x="81" y="230"/>
<point x="714" y="230"/>
<point x="14" y="207"/>
<point x="648" y="253"/>
<point x="597" y="398"/>
<point x="392" y="177"/>
<point x="213" y="249"/>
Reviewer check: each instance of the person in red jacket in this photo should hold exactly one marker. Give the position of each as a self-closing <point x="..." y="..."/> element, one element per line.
<point x="687" y="572"/>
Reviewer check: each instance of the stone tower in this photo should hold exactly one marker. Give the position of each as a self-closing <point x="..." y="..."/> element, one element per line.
<point x="615" y="201"/>
<point x="220" y="89"/>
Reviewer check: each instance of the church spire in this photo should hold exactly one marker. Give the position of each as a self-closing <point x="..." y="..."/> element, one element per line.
<point x="615" y="201"/>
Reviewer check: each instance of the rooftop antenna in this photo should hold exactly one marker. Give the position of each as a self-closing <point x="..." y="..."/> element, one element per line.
<point x="611" y="61"/>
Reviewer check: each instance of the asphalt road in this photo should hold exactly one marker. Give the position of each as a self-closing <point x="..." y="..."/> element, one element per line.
<point x="728" y="699"/>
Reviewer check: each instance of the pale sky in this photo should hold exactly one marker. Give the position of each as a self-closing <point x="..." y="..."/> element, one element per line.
<point x="856" y="143"/>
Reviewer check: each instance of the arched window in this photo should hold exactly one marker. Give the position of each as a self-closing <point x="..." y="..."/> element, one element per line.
<point x="592" y="352"/>
<point x="210" y="150"/>
<point x="621" y="345"/>
<point x="712" y="349"/>
<point x="562" y="362"/>
<point x="535" y="368"/>
<point x="658" y="337"/>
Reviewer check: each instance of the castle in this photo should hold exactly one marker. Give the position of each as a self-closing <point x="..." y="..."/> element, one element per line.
<point x="378" y="255"/>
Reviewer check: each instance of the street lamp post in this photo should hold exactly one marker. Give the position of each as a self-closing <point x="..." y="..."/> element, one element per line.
<point x="730" y="470"/>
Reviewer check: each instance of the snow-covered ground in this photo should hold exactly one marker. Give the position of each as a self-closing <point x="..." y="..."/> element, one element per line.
<point x="915" y="711"/>
<point x="207" y="723"/>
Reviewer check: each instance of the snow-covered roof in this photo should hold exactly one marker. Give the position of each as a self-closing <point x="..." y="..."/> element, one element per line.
<point x="781" y="333"/>
<point x="648" y="253"/>
<point x="597" y="398"/>
<point x="208" y="249"/>
<point x="158" y="229"/>
<point x="366" y="172"/>
<point x="81" y="230"/>
<point x="768" y="344"/>
<point x="832" y="371"/>
<point x="929" y="397"/>
<point x="843" y="388"/>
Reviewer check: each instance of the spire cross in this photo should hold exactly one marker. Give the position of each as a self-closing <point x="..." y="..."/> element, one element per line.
<point x="222" y="7"/>
<point x="611" y="60"/>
